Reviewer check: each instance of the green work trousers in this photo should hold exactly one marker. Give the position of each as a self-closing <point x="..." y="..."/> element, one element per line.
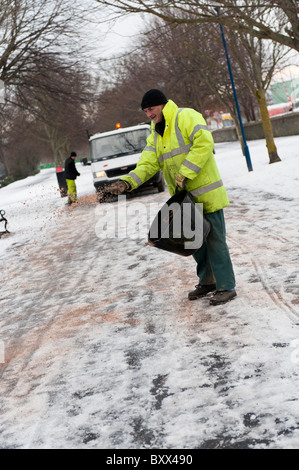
<point x="213" y="259"/>
<point x="71" y="191"/>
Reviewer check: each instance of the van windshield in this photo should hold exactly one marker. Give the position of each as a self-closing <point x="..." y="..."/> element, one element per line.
<point x="119" y="144"/>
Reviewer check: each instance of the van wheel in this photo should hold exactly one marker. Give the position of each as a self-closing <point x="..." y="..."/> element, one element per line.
<point x="161" y="186"/>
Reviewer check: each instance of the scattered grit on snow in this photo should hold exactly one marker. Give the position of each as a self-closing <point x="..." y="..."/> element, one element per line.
<point x="99" y="347"/>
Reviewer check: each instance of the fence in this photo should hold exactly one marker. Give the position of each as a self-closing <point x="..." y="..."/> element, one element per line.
<point x="284" y="125"/>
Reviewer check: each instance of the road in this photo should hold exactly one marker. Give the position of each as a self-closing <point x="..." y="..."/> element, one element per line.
<point x="103" y="350"/>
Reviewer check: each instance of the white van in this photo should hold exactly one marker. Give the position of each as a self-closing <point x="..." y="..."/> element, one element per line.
<point x="116" y="153"/>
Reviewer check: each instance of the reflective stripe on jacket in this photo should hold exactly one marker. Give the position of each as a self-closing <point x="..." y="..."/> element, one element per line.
<point x="187" y="148"/>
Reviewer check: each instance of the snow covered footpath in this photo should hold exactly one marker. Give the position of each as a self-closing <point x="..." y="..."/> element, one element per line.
<point x="99" y="346"/>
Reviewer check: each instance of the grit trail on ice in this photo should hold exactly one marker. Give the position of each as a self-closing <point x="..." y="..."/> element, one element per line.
<point x="40" y="275"/>
<point x="178" y="364"/>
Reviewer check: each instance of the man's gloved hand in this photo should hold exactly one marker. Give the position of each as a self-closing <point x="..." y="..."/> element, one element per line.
<point x="119" y="187"/>
<point x="181" y="181"/>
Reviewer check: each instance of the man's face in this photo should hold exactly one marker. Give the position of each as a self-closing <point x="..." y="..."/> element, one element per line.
<point x="154" y="113"/>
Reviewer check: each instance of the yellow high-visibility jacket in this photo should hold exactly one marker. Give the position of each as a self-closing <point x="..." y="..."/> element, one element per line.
<point x="186" y="147"/>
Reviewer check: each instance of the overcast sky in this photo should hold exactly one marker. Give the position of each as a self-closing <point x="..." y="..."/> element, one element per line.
<point x="113" y="38"/>
<point x="123" y="32"/>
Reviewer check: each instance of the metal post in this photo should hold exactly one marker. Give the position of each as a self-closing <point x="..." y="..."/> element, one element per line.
<point x="246" y="149"/>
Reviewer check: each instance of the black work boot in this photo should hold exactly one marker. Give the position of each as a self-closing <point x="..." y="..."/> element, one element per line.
<point x="222" y="296"/>
<point x="201" y="291"/>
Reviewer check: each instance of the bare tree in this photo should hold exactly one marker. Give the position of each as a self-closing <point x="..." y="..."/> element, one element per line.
<point x="52" y="79"/>
<point x="59" y="102"/>
<point x="202" y="62"/>
<point x="188" y="62"/>
<point x="199" y="75"/>
<point x="28" y="26"/>
<point x="258" y="62"/>
<point x="45" y="76"/>
<point x="19" y="153"/>
<point x="38" y="36"/>
<point x="279" y="21"/>
<point x="160" y="61"/>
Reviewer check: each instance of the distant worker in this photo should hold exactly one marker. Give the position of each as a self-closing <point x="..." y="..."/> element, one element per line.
<point x="71" y="173"/>
<point x="182" y="146"/>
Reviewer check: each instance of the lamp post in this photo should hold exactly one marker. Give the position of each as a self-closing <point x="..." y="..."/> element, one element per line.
<point x="246" y="149"/>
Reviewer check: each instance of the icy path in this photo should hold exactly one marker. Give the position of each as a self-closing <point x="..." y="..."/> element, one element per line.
<point x="102" y="350"/>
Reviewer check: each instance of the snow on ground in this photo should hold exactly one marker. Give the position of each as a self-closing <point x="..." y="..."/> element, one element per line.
<point x="98" y="344"/>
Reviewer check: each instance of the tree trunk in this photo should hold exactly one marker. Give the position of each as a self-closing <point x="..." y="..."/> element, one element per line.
<point x="57" y="143"/>
<point x="267" y="126"/>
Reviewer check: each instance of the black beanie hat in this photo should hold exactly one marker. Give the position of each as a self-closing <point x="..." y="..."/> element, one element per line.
<point x="73" y="154"/>
<point x="153" y="98"/>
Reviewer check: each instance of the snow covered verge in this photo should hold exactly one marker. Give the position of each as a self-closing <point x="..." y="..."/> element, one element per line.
<point x="99" y="347"/>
